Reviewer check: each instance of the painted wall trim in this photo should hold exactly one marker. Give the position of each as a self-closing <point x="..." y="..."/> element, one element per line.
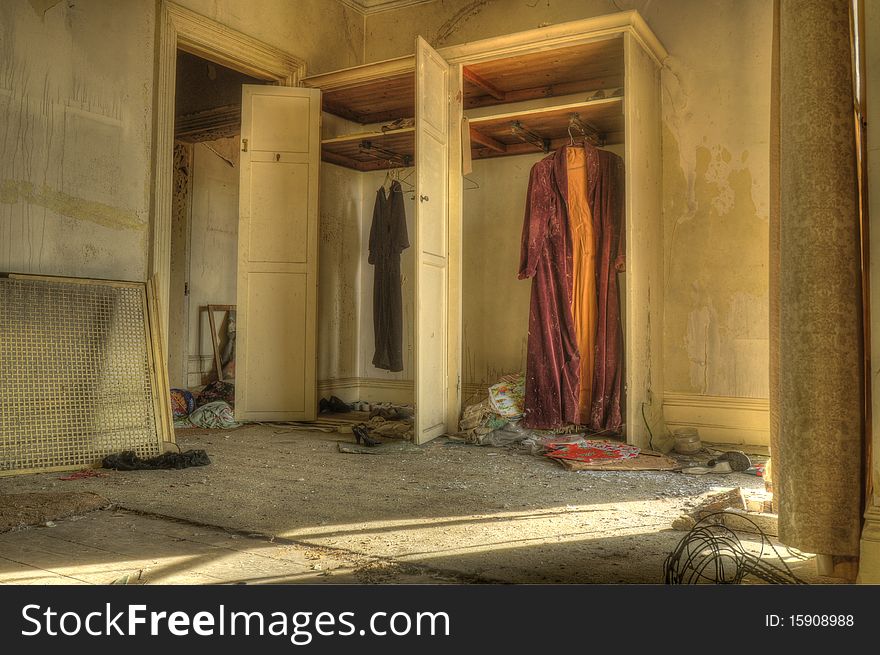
<point x="366" y="7"/>
<point x="720" y="419"/>
<point x="543" y="38"/>
<point x="370" y="389"/>
<point x="179" y="27"/>
<point x="869" y="556"/>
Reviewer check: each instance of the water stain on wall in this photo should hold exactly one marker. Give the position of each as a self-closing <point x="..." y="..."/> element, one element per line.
<point x="63" y="204"/>
<point x="716" y="278"/>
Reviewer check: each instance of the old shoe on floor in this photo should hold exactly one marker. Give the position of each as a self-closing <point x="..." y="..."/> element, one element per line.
<point x="732" y="460"/>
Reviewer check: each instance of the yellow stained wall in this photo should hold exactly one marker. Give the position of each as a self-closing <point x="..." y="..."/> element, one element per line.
<point x="715" y="90"/>
<point x="76" y="97"/>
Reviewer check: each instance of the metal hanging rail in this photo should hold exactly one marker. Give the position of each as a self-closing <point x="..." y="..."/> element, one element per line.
<point x="384" y="154"/>
<point x="525" y="135"/>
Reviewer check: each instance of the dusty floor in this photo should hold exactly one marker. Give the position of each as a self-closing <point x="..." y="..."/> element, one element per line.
<point x="279" y="505"/>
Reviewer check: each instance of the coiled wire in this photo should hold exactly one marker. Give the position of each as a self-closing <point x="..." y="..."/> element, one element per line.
<point x="711" y="553"/>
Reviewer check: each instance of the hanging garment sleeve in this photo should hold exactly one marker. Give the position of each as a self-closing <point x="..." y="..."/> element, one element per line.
<point x="619" y="216"/>
<point x="540" y="206"/>
<point x="398" y="217"/>
<point x="374" y="232"/>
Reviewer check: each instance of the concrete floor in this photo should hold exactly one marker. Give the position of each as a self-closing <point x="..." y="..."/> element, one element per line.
<point x="280" y="505"/>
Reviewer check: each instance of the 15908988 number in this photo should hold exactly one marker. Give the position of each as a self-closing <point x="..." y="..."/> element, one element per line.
<point x="821" y="620"/>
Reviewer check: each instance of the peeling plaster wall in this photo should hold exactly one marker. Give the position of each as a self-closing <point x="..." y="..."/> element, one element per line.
<point x="75" y="128"/>
<point x="715" y="95"/>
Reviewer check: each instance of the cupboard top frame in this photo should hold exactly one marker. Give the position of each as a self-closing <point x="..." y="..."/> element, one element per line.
<point x="352" y="88"/>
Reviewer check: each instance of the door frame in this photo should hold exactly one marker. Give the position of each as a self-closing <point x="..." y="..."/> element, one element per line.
<point x="179" y="28"/>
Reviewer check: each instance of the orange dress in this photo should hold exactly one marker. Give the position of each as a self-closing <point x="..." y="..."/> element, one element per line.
<point x="583" y="294"/>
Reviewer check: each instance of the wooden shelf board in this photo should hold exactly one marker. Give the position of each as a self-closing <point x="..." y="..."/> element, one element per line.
<point x="606" y="115"/>
<point x="374" y="101"/>
<point x="346" y="150"/>
<point x="547" y="73"/>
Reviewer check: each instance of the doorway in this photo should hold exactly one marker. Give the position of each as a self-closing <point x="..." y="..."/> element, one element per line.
<point x="204" y="221"/>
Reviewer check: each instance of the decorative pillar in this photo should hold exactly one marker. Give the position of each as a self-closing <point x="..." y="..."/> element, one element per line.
<point x="817" y="403"/>
<point x="869" y="559"/>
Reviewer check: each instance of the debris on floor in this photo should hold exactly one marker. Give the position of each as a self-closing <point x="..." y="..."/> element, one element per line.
<point x="84" y="473"/>
<point x="24" y="509"/>
<point x="217" y="390"/>
<point x="129" y="461"/>
<point x="507" y="396"/>
<point x="333" y="404"/>
<point x="387" y="448"/>
<point x="711" y="503"/>
<point x="591" y="451"/>
<point x="645" y="461"/>
<point x="726" y="462"/>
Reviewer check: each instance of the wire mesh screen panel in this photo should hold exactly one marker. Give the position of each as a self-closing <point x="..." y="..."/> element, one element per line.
<point x="75" y="374"/>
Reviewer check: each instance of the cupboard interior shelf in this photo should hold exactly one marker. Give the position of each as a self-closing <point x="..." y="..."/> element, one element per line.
<point x="383" y="92"/>
<point x="491" y="135"/>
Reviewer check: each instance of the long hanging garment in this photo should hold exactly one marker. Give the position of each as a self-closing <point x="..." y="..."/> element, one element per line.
<point x="388" y="238"/>
<point x="583" y="296"/>
<point x="574" y="227"/>
<point x="606" y="196"/>
<point x="552" y="361"/>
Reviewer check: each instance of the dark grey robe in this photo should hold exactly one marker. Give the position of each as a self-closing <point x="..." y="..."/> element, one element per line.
<point x="388" y="238"/>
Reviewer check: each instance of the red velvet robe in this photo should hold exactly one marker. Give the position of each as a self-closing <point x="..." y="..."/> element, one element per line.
<point x="606" y="198"/>
<point x="552" y="360"/>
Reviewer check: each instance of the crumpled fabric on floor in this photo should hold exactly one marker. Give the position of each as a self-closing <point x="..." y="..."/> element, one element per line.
<point x="216" y="415"/>
<point x="215" y="391"/>
<point x="129" y="461"/>
<point x="182" y="403"/>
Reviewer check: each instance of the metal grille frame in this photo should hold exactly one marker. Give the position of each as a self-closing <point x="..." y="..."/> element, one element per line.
<point x="78" y="373"/>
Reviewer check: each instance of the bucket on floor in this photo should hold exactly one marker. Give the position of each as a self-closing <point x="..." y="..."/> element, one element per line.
<point x="687" y="441"/>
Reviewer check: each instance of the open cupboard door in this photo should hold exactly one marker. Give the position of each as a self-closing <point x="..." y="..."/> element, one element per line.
<point x="432" y="243"/>
<point x="277" y="254"/>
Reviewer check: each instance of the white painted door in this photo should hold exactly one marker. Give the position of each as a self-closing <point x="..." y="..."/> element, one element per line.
<point x="277" y="254"/>
<point x="432" y="243"/>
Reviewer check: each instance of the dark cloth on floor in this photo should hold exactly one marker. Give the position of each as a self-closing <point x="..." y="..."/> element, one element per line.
<point x="388" y="238"/>
<point x="552" y="360"/>
<point x="606" y="197"/>
<point x="129" y="461"/>
<point x="215" y="391"/>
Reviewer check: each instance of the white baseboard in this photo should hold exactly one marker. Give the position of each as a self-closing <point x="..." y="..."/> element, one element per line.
<point x="869" y="557"/>
<point x="372" y="390"/>
<point x="719" y="419"/>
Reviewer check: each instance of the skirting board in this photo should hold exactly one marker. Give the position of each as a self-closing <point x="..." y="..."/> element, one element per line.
<point x="719" y="419"/>
<point x="869" y="557"/>
<point x="372" y="390"/>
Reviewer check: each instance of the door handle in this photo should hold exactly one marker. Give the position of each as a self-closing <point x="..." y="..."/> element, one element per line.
<point x="244" y="145"/>
<point x="423" y="198"/>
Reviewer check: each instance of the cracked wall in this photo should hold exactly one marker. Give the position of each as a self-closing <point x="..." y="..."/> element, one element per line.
<point x="75" y="98"/>
<point x="715" y="95"/>
<point x="76" y="120"/>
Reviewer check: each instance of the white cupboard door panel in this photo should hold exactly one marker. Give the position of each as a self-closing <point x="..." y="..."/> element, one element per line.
<point x="279" y="226"/>
<point x="276" y="299"/>
<point x="431" y="242"/>
<point x="278" y="254"/>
